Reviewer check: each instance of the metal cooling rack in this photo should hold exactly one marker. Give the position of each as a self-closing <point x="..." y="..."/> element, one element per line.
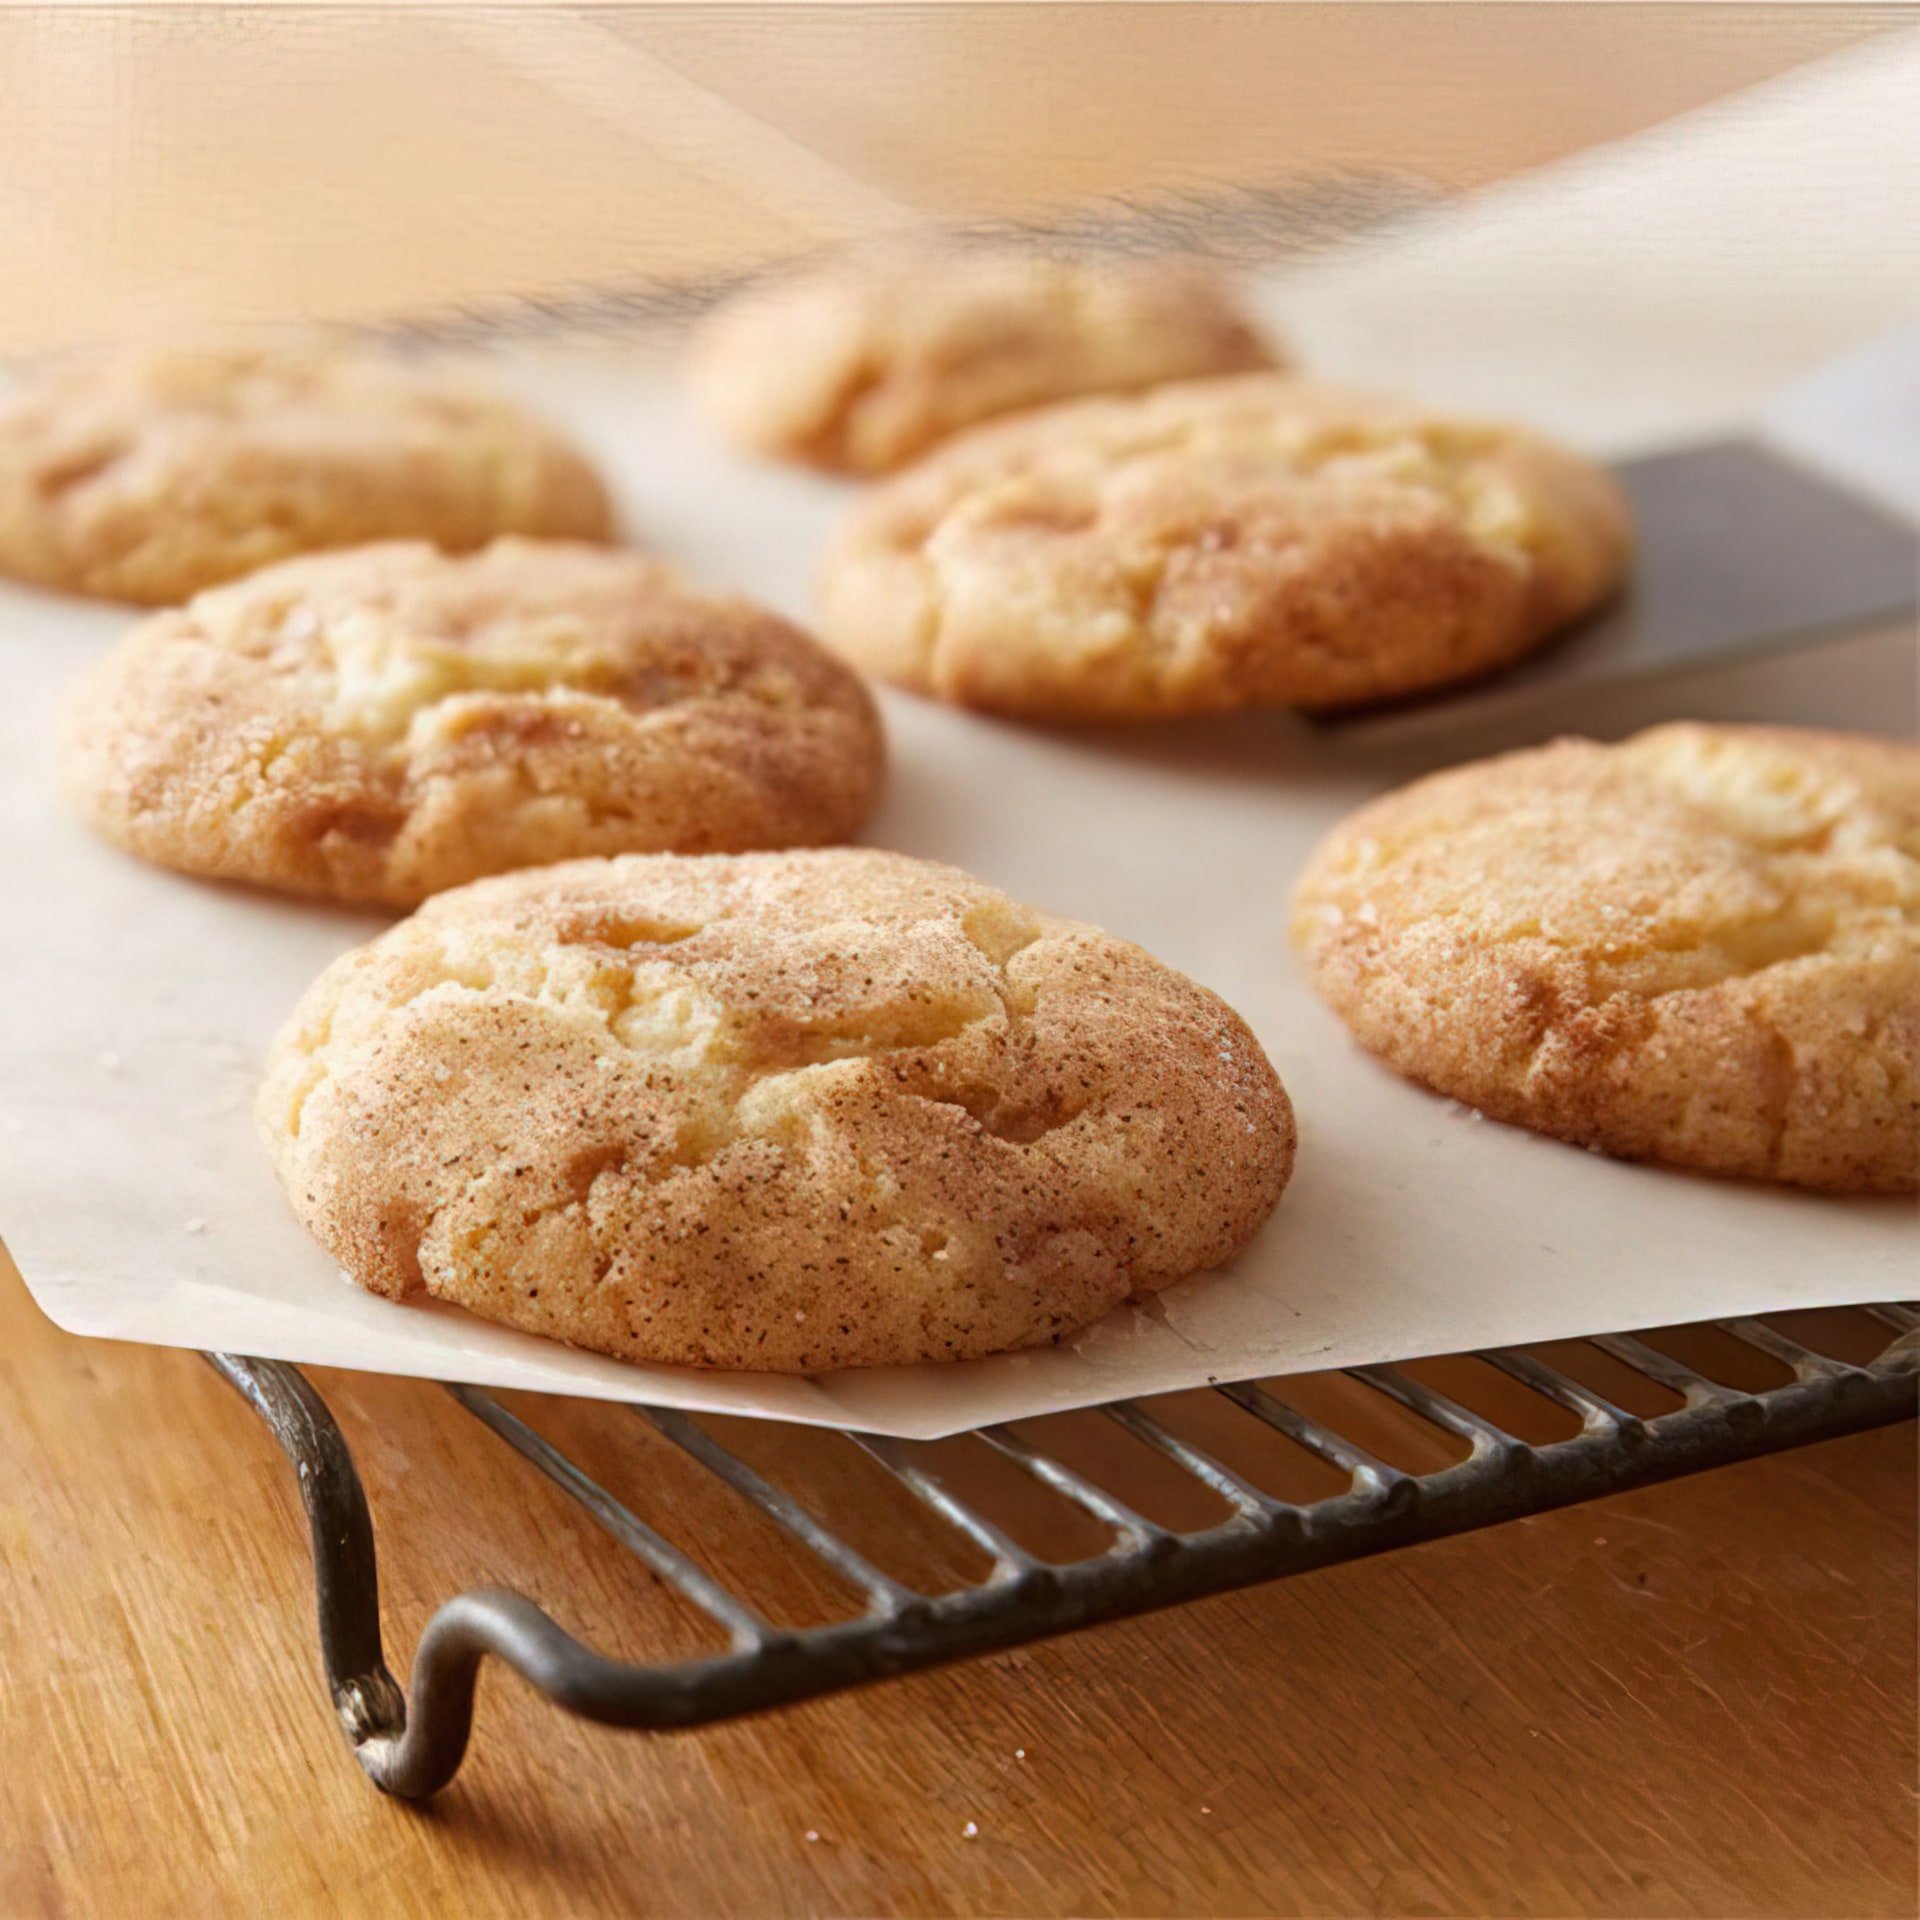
<point x="412" y="1746"/>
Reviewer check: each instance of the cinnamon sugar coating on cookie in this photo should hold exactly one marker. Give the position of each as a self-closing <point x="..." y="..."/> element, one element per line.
<point x="1216" y="546"/>
<point x="1701" y="946"/>
<point x="385" y="722"/>
<point x="778" y="1111"/>
<point x="151" y="476"/>
<point x="863" y="362"/>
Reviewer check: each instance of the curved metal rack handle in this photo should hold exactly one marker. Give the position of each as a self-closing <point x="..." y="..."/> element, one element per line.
<point x="409" y="1756"/>
<point x="346" y="1572"/>
<point x="413" y="1754"/>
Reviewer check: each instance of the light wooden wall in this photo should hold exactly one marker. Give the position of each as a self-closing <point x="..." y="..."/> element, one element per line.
<point x="177" y="165"/>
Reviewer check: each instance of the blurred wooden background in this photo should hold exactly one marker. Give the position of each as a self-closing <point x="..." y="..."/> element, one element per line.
<point x="169" y="166"/>
<point x="1694" y="1700"/>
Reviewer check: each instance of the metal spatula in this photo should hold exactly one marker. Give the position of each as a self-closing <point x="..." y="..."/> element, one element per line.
<point x="1804" y="533"/>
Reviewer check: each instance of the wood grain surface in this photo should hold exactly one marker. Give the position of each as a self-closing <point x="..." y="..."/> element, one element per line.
<point x="178" y="166"/>
<point x="1697" y="1699"/>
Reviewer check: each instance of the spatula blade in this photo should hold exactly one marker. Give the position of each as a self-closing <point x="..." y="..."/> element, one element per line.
<point x="1742" y="551"/>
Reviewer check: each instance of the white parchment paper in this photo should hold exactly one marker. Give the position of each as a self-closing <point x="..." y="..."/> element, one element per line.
<point x="137" y="1004"/>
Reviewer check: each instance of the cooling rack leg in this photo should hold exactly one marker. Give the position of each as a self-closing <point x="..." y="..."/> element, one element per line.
<point x="421" y="1758"/>
<point x="409" y="1754"/>
<point x="412" y="1749"/>
<point x="367" y="1698"/>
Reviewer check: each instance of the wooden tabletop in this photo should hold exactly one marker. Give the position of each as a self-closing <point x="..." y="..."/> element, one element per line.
<point x="1699" y="1699"/>
<point x="174" y="166"/>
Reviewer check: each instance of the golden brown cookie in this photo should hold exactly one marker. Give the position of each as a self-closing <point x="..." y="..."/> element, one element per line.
<point x="384" y="722"/>
<point x="1701" y="946"/>
<point x="1253" y="542"/>
<point x="865" y="361"/>
<point x="150" y="476"/>
<point x="785" y="1112"/>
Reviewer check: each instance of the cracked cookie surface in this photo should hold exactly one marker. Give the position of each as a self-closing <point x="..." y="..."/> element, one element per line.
<point x="1216" y="546"/>
<point x="786" y="1112"/>
<point x="385" y="722"/>
<point x="151" y="476"/>
<point x="1701" y="946"/>
<point x="863" y="362"/>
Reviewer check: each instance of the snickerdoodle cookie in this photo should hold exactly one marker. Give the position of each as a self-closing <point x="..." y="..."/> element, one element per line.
<point x="383" y="722"/>
<point x="865" y="361"/>
<point x="150" y="476"/>
<point x="1701" y="946"/>
<point x="778" y="1111"/>
<point x="1220" y="545"/>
